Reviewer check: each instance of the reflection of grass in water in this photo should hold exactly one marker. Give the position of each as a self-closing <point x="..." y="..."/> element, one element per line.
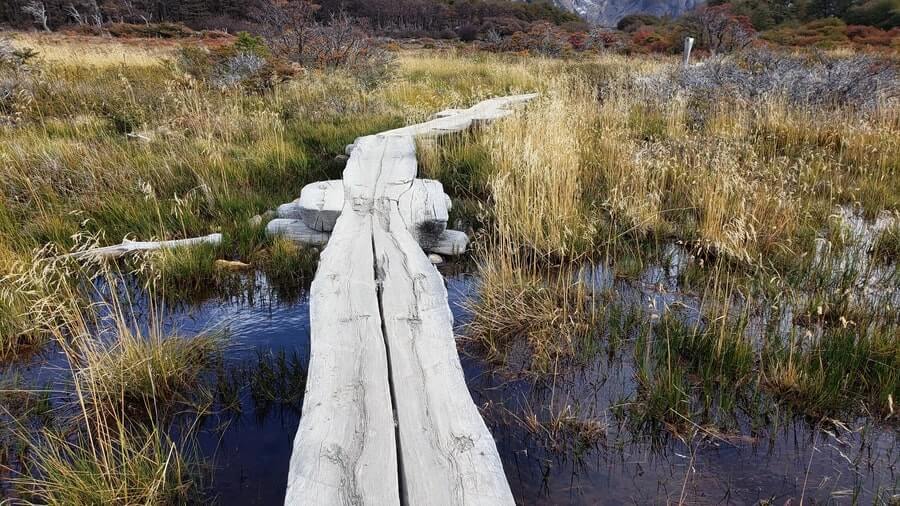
<point x="272" y="380"/>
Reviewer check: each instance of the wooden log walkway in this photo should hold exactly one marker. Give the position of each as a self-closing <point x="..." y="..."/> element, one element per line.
<point x="387" y="417"/>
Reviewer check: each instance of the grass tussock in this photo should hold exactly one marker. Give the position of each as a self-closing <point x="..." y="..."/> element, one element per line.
<point x="551" y="312"/>
<point x="119" y="466"/>
<point x="129" y="378"/>
<point x="289" y="266"/>
<point x="846" y="370"/>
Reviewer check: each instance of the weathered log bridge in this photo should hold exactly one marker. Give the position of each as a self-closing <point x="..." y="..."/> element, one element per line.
<point x="387" y="417"/>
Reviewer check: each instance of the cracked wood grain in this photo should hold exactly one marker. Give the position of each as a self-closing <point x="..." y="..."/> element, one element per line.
<point x="448" y="455"/>
<point x="345" y="448"/>
<point x="387" y="416"/>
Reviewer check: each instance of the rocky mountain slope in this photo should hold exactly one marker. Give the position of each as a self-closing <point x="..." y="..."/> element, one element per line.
<point x="609" y="12"/>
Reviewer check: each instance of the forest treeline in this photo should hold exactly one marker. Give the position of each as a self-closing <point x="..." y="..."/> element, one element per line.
<point x="435" y="18"/>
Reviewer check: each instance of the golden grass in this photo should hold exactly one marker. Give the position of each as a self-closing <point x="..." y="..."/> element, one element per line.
<point x="95" y="51"/>
<point x="552" y="310"/>
<point x="537" y="184"/>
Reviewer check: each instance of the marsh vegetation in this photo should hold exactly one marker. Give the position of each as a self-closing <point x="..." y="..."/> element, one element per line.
<point x="665" y="261"/>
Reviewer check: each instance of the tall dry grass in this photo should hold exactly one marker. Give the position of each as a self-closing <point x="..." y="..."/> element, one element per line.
<point x="112" y="442"/>
<point x="614" y="161"/>
<point x="538" y="182"/>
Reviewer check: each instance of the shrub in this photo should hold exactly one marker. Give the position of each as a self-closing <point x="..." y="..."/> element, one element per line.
<point x="150" y="30"/>
<point x="879" y="13"/>
<point x="861" y="81"/>
<point x="13" y="73"/>
<point x="246" y="64"/>
<point x="633" y="22"/>
<point x="343" y="44"/>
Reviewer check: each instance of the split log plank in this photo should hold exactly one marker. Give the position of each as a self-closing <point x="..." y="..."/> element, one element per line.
<point x="457" y="120"/>
<point x="345" y="449"/>
<point x="447" y="454"/>
<point x="390" y="346"/>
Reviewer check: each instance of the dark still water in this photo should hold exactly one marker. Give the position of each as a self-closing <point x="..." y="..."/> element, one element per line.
<point x="785" y="460"/>
<point x="774" y="459"/>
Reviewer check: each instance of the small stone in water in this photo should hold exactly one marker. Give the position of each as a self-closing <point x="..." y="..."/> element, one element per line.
<point x="232" y="265"/>
<point x="436" y="259"/>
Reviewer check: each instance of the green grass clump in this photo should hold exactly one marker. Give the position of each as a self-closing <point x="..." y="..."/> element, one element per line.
<point x="848" y="370"/>
<point x="148" y="370"/>
<point x="121" y="466"/>
<point x="663" y="394"/>
<point x="718" y="354"/>
<point x="186" y="272"/>
<point x="691" y="371"/>
<point x="887" y="245"/>
<point x="288" y="266"/>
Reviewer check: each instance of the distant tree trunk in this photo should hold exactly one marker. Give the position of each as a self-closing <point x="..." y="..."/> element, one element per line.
<point x="38" y="12"/>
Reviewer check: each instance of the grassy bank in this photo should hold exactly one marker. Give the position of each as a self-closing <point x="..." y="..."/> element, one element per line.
<point x="763" y="201"/>
<point x="102" y="140"/>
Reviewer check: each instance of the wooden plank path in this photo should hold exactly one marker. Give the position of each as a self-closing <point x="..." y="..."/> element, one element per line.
<point x="387" y="417"/>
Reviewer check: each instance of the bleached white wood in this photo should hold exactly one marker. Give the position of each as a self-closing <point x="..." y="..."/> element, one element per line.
<point x="345" y="450"/>
<point x="458" y="120"/>
<point x="128" y="246"/>
<point x="688" y="46"/>
<point x="450" y="243"/>
<point x="425" y="206"/>
<point x="297" y="231"/>
<point x="390" y="345"/>
<point x="447" y="454"/>
<point x="320" y="204"/>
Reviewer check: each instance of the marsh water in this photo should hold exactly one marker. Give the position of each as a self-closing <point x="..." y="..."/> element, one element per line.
<point x="769" y="457"/>
<point x="765" y="456"/>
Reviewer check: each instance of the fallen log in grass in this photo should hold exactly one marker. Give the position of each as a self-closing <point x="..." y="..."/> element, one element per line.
<point x="128" y="246"/>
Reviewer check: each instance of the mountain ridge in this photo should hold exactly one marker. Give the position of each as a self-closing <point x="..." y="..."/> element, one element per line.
<point x="609" y="12"/>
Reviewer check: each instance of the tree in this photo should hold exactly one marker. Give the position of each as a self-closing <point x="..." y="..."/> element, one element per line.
<point x="288" y="24"/>
<point x="884" y="14"/>
<point x="38" y="11"/>
<point x="720" y="30"/>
